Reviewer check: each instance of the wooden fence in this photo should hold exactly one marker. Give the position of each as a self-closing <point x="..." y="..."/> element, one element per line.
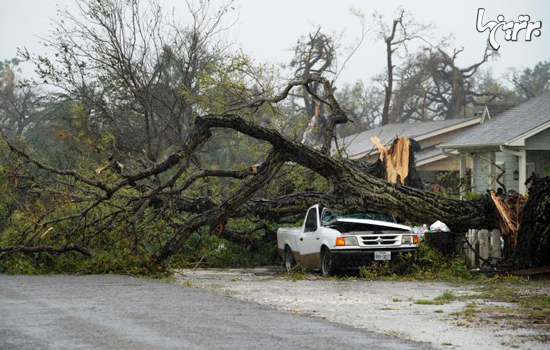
<point x="483" y="247"/>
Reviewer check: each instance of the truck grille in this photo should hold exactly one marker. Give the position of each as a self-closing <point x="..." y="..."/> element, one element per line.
<point x="380" y="240"/>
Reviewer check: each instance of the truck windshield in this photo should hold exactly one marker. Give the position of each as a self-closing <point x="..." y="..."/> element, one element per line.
<point x="328" y="216"/>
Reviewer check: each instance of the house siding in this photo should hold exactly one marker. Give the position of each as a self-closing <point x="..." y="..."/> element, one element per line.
<point x="511" y="164"/>
<point x="541" y="162"/>
<point x="482" y="171"/>
<point x="539" y="141"/>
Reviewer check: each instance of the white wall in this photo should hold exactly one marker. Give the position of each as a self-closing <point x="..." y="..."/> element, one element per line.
<point x="539" y="141"/>
<point x="510" y="165"/>
<point x="482" y="171"/>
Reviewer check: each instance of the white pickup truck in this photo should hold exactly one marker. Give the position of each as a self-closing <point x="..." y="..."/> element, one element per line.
<point x="331" y="241"/>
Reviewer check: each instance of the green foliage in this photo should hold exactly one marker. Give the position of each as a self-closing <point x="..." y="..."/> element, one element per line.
<point x="532" y="82"/>
<point x="298" y="273"/>
<point x="206" y="250"/>
<point x="446" y="192"/>
<point x="473" y="196"/>
<point x="123" y="244"/>
<point x="426" y="264"/>
<point x="74" y="263"/>
<point x="512" y="297"/>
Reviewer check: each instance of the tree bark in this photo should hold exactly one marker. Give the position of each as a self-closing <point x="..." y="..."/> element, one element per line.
<point x="388" y="88"/>
<point x="533" y="245"/>
<point x="361" y="190"/>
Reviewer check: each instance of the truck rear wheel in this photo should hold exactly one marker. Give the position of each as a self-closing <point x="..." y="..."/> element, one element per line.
<point x="289" y="259"/>
<point x="328" y="267"/>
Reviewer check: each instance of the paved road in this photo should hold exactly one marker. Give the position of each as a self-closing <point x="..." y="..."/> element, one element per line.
<point x="118" y="312"/>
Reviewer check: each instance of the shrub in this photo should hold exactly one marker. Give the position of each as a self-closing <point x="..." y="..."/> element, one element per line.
<point x="426" y="263"/>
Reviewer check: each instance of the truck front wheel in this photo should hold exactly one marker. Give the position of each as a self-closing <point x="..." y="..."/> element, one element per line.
<point x="328" y="267"/>
<point x="289" y="259"/>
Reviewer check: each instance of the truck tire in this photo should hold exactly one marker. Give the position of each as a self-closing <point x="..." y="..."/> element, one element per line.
<point x="328" y="267"/>
<point x="289" y="259"/>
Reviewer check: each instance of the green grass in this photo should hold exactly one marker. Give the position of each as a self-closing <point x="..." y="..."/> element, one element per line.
<point x="470" y="309"/>
<point x="526" y="301"/>
<point x="444" y="298"/>
<point x="187" y="284"/>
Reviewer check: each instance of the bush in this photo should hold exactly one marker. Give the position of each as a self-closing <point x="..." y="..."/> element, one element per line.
<point x="211" y="251"/>
<point x="426" y="263"/>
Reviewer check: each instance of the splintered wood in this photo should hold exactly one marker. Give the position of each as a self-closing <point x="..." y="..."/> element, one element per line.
<point x="509" y="209"/>
<point x="395" y="158"/>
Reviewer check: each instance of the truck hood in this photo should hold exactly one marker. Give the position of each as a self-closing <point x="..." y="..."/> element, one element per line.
<point x="374" y="222"/>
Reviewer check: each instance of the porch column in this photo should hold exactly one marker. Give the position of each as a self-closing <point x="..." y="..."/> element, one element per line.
<point x="474" y="164"/>
<point x="493" y="172"/>
<point x="522" y="159"/>
<point x="463" y="186"/>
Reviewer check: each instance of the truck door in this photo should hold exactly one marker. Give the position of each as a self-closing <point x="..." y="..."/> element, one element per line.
<point x="309" y="243"/>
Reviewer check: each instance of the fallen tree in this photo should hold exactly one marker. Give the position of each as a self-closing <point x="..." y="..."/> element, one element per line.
<point x="532" y="248"/>
<point x="119" y="198"/>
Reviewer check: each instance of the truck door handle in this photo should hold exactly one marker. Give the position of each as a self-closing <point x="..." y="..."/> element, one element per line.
<point x="301" y="239"/>
<point x="317" y="238"/>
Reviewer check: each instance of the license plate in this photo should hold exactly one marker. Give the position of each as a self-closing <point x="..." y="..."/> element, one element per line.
<point x="382" y="255"/>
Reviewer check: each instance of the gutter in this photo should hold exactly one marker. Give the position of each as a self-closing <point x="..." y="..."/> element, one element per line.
<point x="509" y="151"/>
<point x="473" y="145"/>
<point x="449" y="153"/>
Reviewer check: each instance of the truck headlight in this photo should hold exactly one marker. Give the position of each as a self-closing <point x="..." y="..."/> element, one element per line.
<point x="342" y="241"/>
<point x="410" y="239"/>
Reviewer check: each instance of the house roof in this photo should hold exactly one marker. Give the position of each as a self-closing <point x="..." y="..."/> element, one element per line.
<point x="426" y="154"/>
<point x="495" y="109"/>
<point x="360" y="144"/>
<point x="515" y="123"/>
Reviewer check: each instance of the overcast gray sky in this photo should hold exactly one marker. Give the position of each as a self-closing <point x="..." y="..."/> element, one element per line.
<point x="266" y="30"/>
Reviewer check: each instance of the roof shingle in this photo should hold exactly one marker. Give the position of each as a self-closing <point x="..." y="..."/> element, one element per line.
<point x="507" y="126"/>
<point x="360" y="143"/>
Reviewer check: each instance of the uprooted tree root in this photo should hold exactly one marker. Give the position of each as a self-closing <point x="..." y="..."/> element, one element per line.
<point x="533" y="237"/>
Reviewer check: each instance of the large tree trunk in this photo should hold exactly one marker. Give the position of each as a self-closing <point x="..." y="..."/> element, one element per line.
<point x="533" y="244"/>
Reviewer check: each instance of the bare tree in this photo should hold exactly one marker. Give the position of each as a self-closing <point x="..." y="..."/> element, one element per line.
<point x="453" y="87"/>
<point x="430" y="85"/>
<point x="403" y="30"/>
<point x="363" y="105"/>
<point x="314" y="55"/>
<point x="20" y="104"/>
<point x="133" y="69"/>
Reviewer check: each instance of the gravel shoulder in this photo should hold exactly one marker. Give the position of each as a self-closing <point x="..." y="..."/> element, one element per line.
<point x="388" y="307"/>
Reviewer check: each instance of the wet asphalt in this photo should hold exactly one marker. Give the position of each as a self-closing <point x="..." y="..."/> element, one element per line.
<point x="120" y="312"/>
